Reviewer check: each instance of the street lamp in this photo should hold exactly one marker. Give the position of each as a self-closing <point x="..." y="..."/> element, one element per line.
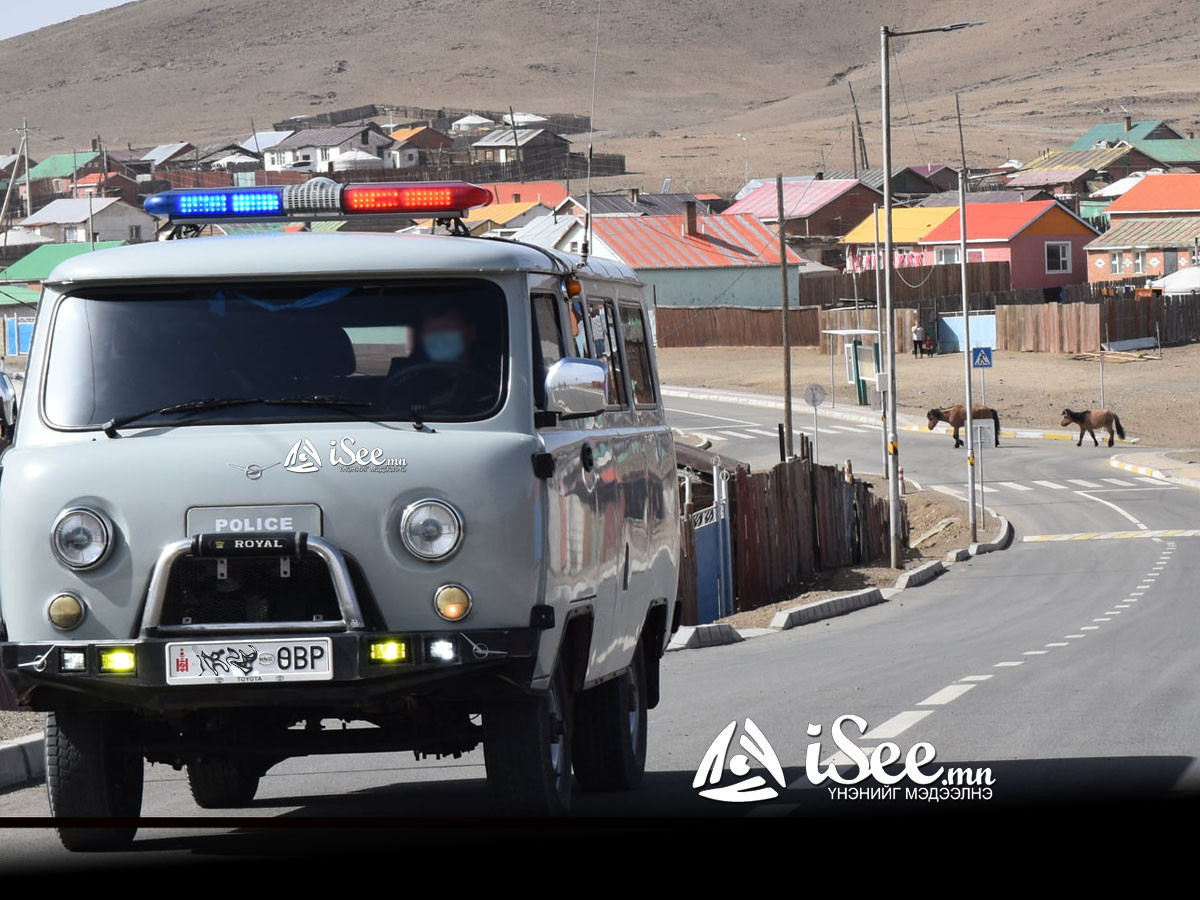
<point x="746" y="147"/>
<point x="893" y="442"/>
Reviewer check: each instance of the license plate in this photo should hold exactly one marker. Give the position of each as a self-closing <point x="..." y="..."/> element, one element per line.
<point x="233" y="519"/>
<point x="267" y="661"/>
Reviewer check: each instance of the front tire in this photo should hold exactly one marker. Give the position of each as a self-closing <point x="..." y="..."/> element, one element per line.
<point x="92" y="774"/>
<point x="222" y="782"/>
<point x="610" y="731"/>
<point x="527" y="749"/>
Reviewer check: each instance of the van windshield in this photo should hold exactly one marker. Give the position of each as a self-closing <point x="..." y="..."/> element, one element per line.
<point x="291" y="351"/>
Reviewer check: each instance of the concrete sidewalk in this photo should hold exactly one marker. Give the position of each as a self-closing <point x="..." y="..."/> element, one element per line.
<point x="860" y="414"/>
<point x="1159" y="465"/>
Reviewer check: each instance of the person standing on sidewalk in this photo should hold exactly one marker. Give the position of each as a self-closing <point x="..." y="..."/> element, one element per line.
<point x="918" y="339"/>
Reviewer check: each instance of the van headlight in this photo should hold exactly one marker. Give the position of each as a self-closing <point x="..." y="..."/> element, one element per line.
<point x="431" y="529"/>
<point x="81" y="537"/>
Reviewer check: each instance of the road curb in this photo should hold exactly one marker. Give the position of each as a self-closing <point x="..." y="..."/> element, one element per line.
<point x="1006" y="536"/>
<point x="826" y="609"/>
<point x="693" y="637"/>
<point x="1118" y="463"/>
<point x="920" y="575"/>
<point x="22" y="761"/>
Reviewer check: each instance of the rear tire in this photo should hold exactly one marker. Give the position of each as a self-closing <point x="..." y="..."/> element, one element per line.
<point x="527" y="748"/>
<point x="610" y="731"/>
<point x="91" y="775"/>
<point x="222" y="782"/>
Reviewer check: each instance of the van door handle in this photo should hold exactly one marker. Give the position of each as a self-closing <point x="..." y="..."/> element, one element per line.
<point x="587" y="458"/>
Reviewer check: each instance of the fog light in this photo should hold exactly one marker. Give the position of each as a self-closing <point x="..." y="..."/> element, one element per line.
<point x="389" y="651"/>
<point x="118" y="660"/>
<point x="65" y="611"/>
<point x="452" y="602"/>
<point x="73" y="661"/>
<point x="443" y="650"/>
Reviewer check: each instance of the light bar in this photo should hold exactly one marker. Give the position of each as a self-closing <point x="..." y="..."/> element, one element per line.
<point x="319" y="198"/>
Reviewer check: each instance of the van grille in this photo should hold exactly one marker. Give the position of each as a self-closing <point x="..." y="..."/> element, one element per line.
<point x="253" y="591"/>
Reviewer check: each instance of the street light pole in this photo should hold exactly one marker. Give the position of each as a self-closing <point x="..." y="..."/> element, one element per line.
<point x="892" y="438"/>
<point x="746" y="147"/>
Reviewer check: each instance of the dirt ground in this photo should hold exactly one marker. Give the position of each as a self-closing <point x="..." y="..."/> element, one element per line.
<point x="1027" y="389"/>
<point x="926" y="510"/>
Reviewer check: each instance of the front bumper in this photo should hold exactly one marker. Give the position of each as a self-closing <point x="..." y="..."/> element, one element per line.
<point x="481" y="658"/>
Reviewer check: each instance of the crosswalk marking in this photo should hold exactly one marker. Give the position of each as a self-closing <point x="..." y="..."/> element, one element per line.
<point x="1012" y="485"/>
<point x="1149" y="480"/>
<point x="737" y="434"/>
<point x="1082" y="483"/>
<point x="852" y="428"/>
<point x="763" y="432"/>
<point x="1118" y="481"/>
<point x="1052" y="485"/>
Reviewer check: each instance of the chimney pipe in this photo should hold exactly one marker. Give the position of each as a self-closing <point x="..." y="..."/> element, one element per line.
<point x="634" y="194"/>
<point x="1128" y="123"/>
<point x="1191" y="135"/>
<point x="820" y="176"/>
<point x="689" y="218"/>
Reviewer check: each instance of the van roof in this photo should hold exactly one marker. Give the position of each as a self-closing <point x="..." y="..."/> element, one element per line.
<point x="321" y="255"/>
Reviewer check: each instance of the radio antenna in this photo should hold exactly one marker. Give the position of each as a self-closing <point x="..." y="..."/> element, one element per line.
<point x="587" y="226"/>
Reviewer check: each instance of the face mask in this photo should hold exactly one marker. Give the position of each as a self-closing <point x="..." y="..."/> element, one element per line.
<point x="444" y="346"/>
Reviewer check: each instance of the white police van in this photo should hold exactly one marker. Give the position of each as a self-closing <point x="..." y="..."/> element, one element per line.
<point x="261" y="484"/>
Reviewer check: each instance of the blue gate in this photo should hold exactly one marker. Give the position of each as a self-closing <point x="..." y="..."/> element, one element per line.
<point x="714" y="556"/>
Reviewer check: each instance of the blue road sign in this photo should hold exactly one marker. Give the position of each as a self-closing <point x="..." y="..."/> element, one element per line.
<point x="981" y="357"/>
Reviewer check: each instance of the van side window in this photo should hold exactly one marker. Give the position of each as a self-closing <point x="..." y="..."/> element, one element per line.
<point x="547" y="342"/>
<point x="578" y="333"/>
<point x="604" y="338"/>
<point x="637" y="354"/>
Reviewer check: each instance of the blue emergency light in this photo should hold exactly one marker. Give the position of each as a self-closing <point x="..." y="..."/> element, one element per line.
<point x="319" y="198"/>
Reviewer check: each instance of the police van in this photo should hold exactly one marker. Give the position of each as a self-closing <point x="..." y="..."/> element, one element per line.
<point x="264" y="486"/>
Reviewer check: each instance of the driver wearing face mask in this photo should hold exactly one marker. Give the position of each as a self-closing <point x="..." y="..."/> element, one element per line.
<point x="449" y="380"/>
<point x="446" y="337"/>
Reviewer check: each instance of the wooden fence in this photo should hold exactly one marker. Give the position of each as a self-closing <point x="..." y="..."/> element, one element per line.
<point x="1080" y="327"/>
<point x="799" y="518"/>
<point x="911" y="287"/>
<point x="736" y="326"/>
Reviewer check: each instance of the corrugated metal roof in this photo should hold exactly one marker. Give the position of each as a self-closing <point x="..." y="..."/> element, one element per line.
<point x="503" y="137"/>
<point x="1175" y="152"/>
<point x="990" y="222"/>
<point x="163" y="152"/>
<point x="950" y="198"/>
<point x="38" y="265"/>
<point x="873" y="178"/>
<point x="1149" y="233"/>
<point x="261" y="141"/>
<point x="1160" y="193"/>
<point x="320" y="137"/>
<point x="909" y="225"/>
<point x="800" y="198"/>
<point x="501" y="213"/>
<point x="646" y="205"/>
<point x="548" y="193"/>
<point x="1115" y="131"/>
<point x="546" y="231"/>
<point x="1100" y="158"/>
<point x="1045" y="177"/>
<point x="59" y="165"/>
<point x="658" y="242"/>
<point x="69" y="211"/>
<point x="755" y="183"/>
<point x="15" y="295"/>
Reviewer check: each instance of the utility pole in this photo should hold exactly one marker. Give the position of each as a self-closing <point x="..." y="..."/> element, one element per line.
<point x="962" y="252"/>
<point x="787" y="333"/>
<point x="24" y="130"/>
<point x="512" y="120"/>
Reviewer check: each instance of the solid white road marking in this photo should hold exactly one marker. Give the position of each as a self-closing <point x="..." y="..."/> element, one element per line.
<point x="1111" y="506"/>
<point x="976" y="678"/>
<point x="1018" y="662"/>
<point x="1012" y="485"/>
<point x="897" y="724"/>
<point x="946" y="694"/>
<point x="688" y="412"/>
<point x="1082" y="483"/>
<point x="1052" y="485"/>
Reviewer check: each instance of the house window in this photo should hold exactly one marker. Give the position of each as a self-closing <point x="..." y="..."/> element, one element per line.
<point x="365" y="138"/>
<point x="135" y="233"/>
<point x="946" y="256"/>
<point x="1114" y="264"/>
<point x="324" y="154"/>
<point x="1058" y="257"/>
<point x="1139" y="262"/>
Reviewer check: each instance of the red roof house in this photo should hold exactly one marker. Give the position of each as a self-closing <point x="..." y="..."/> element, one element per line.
<point x="1043" y="242"/>
<point x="1158" y="196"/>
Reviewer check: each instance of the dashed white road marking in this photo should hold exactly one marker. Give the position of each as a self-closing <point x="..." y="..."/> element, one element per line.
<point x="1113" y="612"/>
<point x="1102" y="620"/>
<point x="1076" y="635"/>
<point x="1012" y="485"/>
<point x="897" y="724"/>
<point x="737" y="434"/>
<point x="1118" y="481"/>
<point x="763" y="432"/>
<point x="1016" y="662"/>
<point x="976" y="678"/>
<point x="1057" y="644"/>
<point x="1089" y="628"/>
<point x="1052" y="485"/>
<point x="1082" y="483"/>
<point x="1136" y="594"/>
<point x="946" y="694"/>
<point x="1121" y="606"/>
<point x="1035" y="652"/>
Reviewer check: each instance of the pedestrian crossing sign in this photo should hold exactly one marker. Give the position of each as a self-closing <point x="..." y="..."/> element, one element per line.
<point x="981" y="357"/>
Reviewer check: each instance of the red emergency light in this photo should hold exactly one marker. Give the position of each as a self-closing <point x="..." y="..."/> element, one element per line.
<point x="446" y="198"/>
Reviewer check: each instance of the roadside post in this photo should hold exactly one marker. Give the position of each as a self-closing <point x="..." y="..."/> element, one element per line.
<point x="985" y="436"/>
<point x="813" y="395"/>
<point x="981" y="359"/>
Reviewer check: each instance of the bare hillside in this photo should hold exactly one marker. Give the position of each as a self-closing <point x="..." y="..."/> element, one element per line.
<point x="678" y="79"/>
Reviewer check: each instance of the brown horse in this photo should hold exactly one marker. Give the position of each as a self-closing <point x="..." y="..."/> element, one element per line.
<point x="956" y="418"/>
<point x="1090" y="419"/>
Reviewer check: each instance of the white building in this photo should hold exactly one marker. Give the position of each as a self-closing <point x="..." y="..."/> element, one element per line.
<point x="100" y="219"/>
<point x="322" y="147"/>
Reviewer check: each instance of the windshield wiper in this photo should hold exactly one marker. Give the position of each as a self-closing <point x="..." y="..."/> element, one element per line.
<point x="317" y="400"/>
<point x="111" y="426"/>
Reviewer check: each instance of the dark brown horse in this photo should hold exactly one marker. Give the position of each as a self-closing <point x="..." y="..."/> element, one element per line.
<point x="1089" y="419"/>
<point x="956" y="418"/>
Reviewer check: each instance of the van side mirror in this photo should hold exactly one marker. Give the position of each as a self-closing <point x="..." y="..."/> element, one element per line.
<point x="576" y="387"/>
<point x="8" y="407"/>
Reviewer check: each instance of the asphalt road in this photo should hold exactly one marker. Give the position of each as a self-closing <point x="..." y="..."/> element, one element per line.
<point x="1061" y="672"/>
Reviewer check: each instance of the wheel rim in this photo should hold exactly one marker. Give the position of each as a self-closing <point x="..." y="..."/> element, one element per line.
<point x="635" y="717"/>
<point x="558" y="740"/>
